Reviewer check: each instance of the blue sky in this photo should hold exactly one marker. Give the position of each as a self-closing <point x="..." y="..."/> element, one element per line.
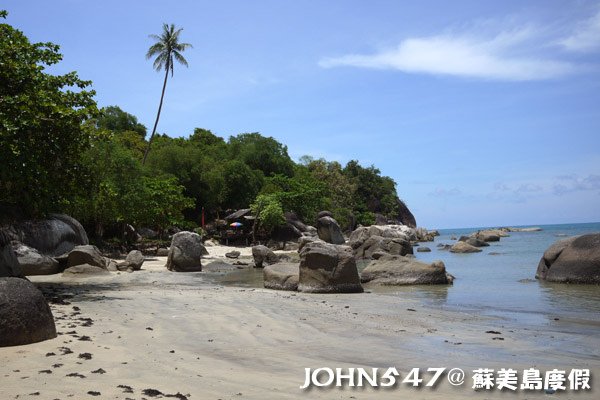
<point x="484" y="112"/>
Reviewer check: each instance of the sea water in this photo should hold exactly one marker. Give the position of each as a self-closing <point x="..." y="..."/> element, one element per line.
<point x="499" y="281"/>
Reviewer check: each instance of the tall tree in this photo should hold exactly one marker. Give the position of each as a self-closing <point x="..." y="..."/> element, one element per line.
<point x="167" y="49"/>
<point x="41" y="132"/>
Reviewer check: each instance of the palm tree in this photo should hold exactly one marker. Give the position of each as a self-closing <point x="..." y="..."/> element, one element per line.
<point x="166" y="49"/>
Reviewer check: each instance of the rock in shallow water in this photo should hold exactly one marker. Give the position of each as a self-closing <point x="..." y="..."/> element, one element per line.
<point x="572" y="260"/>
<point x="463" y="247"/>
<point x="399" y="270"/>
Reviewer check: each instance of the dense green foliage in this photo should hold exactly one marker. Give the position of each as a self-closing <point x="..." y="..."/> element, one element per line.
<point x="60" y="153"/>
<point x="41" y="134"/>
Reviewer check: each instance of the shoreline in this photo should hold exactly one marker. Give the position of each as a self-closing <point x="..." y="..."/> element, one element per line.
<point x="181" y="333"/>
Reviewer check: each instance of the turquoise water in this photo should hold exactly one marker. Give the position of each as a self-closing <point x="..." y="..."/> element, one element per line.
<point x="504" y="284"/>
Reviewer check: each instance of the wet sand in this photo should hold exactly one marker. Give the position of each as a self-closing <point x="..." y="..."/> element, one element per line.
<point x="155" y="333"/>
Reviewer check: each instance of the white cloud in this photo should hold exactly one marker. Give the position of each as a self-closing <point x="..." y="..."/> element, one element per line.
<point x="443" y="192"/>
<point x="501" y="57"/>
<point x="572" y="183"/>
<point x="585" y="37"/>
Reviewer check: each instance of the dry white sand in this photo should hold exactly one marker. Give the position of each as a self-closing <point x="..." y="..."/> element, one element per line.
<point x="179" y="333"/>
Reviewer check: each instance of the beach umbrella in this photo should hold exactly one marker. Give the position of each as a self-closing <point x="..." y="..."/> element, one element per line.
<point x="235" y="224"/>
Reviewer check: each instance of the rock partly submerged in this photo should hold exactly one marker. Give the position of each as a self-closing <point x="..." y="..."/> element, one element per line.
<point x="464" y="247"/>
<point x="398" y="270"/>
<point x="572" y="260"/>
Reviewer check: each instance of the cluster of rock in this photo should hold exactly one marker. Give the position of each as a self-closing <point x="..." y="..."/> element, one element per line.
<point x="328" y="262"/>
<point x="476" y="240"/>
<point x="373" y="241"/>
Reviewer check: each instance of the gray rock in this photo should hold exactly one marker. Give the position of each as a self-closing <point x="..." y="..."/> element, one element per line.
<point x="135" y="258"/>
<point x="306" y="239"/>
<point x="25" y="317"/>
<point x="84" y="270"/>
<point x="86" y="254"/>
<point x="112" y="266"/>
<point x="185" y="252"/>
<point x="281" y="276"/>
<point x="399" y="270"/>
<point x="322" y="214"/>
<point x="34" y="263"/>
<point x="423" y="249"/>
<point x="573" y="260"/>
<point x="329" y="230"/>
<point x="463" y="247"/>
<point x="263" y="255"/>
<point x="473" y="241"/>
<point x="133" y="261"/>
<point x="233" y="254"/>
<point x="148" y="233"/>
<point x="219" y="266"/>
<point x="328" y="268"/>
<point x="377" y="244"/>
<point x="489" y="235"/>
<point x="292" y="219"/>
<point x="9" y="264"/>
<point x="54" y="236"/>
<point x="162" y="252"/>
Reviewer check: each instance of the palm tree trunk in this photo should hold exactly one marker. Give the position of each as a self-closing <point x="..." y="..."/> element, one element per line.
<point x="157" y="114"/>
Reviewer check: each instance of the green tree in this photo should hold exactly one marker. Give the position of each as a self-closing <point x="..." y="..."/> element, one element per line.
<point x="268" y="211"/>
<point x="161" y="203"/>
<point x="114" y="119"/>
<point x="262" y="153"/>
<point x="41" y="132"/>
<point x="242" y="184"/>
<point x="167" y="49"/>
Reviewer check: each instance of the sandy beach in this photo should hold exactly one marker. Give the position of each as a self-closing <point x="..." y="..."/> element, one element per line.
<point x="155" y="333"/>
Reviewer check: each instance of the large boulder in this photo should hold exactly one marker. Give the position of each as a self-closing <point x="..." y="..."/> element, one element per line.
<point x="25" y="316"/>
<point x="34" y="263"/>
<point x="406" y="217"/>
<point x="54" y="236"/>
<point x="86" y="254"/>
<point x="9" y="264"/>
<point x="399" y="270"/>
<point x="573" y="260"/>
<point x="463" y="247"/>
<point x="281" y="276"/>
<point x="388" y="239"/>
<point x="328" y="268"/>
<point x="185" y="252"/>
<point x="329" y="230"/>
<point x="367" y="242"/>
<point x="263" y="255"/>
